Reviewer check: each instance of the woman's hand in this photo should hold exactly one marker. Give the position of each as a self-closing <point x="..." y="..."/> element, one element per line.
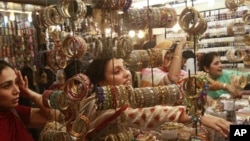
<point x="236" y="93"/>
<point x="23" y="84"/>
<point x="219" y="124"/>
<point x="182" y="43"/>
<point x="216" y="85"/>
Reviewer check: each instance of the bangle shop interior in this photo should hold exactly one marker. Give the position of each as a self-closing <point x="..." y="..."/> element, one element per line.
<point x="47" y="35"/>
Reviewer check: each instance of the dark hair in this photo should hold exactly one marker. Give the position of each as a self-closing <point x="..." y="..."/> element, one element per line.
<point x="148" y="44"/>
<point x="3" y="65"/>
<point x="206" y="60"/>
<point x="27" y="71"/>
<point x="173" y="47"/>
<point x="96" y="70"/>
<point x="188" y="54"/>
<point x="73" y="68"/>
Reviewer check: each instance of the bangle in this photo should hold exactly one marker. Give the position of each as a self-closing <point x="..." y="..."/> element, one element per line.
<point x="224" y="86"/>
<point x="195" y="118"/>
<point x="178" y="57"/>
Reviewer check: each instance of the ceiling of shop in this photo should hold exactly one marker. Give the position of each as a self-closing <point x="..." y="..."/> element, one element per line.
<point x="33" y="2"/>
<point x="201" y="5"/>
<point x="25" y="5"/>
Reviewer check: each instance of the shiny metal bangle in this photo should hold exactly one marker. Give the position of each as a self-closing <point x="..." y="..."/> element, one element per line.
<point x="79" y="127"/>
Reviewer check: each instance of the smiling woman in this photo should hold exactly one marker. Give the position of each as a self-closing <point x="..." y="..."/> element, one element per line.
<point x="211" y="63"/>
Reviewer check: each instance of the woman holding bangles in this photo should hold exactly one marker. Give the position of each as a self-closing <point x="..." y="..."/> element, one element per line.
<point x="112" y="71"/>
<point x="170" y="72"/>
<point x="211" y="63"/>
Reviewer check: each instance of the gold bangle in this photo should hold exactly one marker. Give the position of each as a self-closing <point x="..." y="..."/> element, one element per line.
<point x="178" y="57"/>
<point x="225" y="86"/>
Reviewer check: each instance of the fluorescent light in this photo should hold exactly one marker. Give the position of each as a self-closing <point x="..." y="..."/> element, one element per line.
<point x="12" y="16"/>
<point x="29" y="18"/>
<point x="144" y="3"/>
<point x="15" y="11"/>
<point x="189" y="3"/>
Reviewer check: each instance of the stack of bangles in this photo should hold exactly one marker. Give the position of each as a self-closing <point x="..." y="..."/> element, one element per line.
<point x="74" y="46"/>
<point x="79" y="127"/>
<point x="112" y="97"/>
<point x="233" y="4"/>
<point x="190" y="16"/>
<point x="239" y="81"/>
<point x="235" y="55"/>
<point x="246" y="60"/>
<point x="77" y="87"/>
<point x="123" y="136"/>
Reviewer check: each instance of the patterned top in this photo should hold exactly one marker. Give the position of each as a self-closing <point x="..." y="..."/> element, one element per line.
<point x="125" y="118"/>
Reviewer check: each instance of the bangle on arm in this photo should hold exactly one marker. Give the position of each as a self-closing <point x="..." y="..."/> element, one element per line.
<point x="224" y="86"/>
<point x="178" y="57"/>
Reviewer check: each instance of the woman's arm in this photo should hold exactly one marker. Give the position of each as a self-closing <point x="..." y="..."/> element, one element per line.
<point x="175" y="67"/>
<point x="153" y="117"/>
<point x="41" y="114"/>
<point x="216" y="85"/>
<point x="219" y="124"/>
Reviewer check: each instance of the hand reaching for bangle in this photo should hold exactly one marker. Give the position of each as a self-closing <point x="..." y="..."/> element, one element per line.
<point x="236" y="93"/>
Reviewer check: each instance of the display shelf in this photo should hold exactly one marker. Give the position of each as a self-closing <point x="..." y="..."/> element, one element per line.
<point x="17" y="41"/>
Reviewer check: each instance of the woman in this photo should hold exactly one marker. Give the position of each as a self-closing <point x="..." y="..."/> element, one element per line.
<point x="170" y="72"/>
<point x="14" y="118"/>
<point x="211" y="63"/>
<point x="113" y="71"/>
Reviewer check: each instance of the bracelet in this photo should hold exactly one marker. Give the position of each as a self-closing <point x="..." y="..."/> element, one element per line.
<point x="195" y="118"/>
<point x="178" y="57"/>
<point x="225" y="86"/>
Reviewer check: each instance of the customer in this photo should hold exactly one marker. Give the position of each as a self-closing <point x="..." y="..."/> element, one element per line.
<point x="170" y="72"/>
<point x="14" y="118"/>
<point x="113" y="71"/>
<point x="211" y="63"/>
